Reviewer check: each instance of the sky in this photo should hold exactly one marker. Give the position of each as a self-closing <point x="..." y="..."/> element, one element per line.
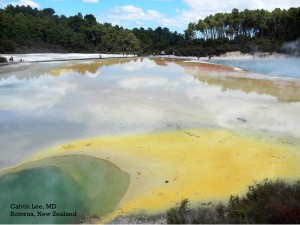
<point x="174" y="14"/>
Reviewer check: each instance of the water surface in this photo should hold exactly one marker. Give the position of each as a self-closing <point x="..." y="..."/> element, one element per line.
<point x="80" y="184"/>
<point x="288" y="67"/>
<point x="154" y="110"/>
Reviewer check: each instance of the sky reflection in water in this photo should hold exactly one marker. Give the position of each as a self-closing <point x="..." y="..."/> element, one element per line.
<point x="48" y="104"/>
<point x="289" y="67"/>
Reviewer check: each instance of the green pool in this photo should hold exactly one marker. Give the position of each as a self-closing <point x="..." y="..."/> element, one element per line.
<point x="62" y="189"/>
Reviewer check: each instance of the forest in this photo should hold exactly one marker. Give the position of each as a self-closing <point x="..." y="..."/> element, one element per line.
<point x="28" y="30"/>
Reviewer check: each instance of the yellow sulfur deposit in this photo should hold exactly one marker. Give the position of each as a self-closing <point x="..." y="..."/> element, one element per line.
<point x="198" y="164"/>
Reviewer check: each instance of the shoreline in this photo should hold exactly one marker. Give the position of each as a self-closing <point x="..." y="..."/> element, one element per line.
<point x="29" y="59"/>
<point x="25" y="63"/>
<point x="58" y="57"/>
<point x="52" y="57"/>
<point x="236" y="55"/>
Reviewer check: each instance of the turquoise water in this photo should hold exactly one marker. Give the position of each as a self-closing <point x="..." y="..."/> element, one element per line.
<point x="40" y="186"/>
<point x="289" y="67"/>
<point x="81" y="186"/>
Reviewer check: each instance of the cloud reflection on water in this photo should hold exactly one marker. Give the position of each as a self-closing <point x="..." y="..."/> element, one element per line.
<point x="123" y="96"/>
<point x="284" y="89"/>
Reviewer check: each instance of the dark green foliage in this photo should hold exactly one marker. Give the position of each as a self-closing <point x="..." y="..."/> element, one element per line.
<point x="3" y="59"/>
<point x="204" y="214"/>
<point x="7" y="46"/>
<point x="276" y="25"/>
<point x="209" y="213"/>
<point x="267" y="202"/>
<point x="178" y="214"/>
<point x="26" y="29"/>
<point x="160" y="39"/>
<point x="264" y="203"/>
<point x="246" y="31"/>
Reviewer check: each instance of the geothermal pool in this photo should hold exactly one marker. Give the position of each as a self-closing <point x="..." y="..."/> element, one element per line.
<point x="124" y="136"/>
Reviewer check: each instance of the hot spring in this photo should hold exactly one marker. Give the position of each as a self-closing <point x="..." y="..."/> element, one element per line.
<point x="112" y="137"/>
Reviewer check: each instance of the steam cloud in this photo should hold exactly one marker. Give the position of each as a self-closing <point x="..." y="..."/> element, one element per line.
<point x="292" y="47"/>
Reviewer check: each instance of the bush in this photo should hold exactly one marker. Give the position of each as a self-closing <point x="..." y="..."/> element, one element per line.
<point x="264" y="203"/>
<point x="209" y="214"/>
<point x="3" y="59"/>
<point x="204" y="214"/>
<point x="7" y="46"/>
<point x="179" y="213"/>
<point x="268" y="202"/>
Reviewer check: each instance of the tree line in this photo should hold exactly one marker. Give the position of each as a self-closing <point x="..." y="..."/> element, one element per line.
<point x="246" y="31"/>
<point x="26" y="29"/>
<point x="276" y="25"/>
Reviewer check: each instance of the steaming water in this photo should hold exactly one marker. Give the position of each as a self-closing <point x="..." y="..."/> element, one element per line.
<point x="45" y="105"/>
<point x="33" y="186"/>
<point x="48" y="104"/>
<point x="82" y="184"/>
<point x="288" y="67"/>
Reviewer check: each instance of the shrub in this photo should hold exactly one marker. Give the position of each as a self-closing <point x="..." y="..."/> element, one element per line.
<point x="179" y="213"/>
<point x="267" y="202"/>
<point x="204" y="214"/>
<point x="3" y="59"/>
<point x="7" y="46"/>
<point x="264" y="203"/>
<point x="209" y="214"/>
